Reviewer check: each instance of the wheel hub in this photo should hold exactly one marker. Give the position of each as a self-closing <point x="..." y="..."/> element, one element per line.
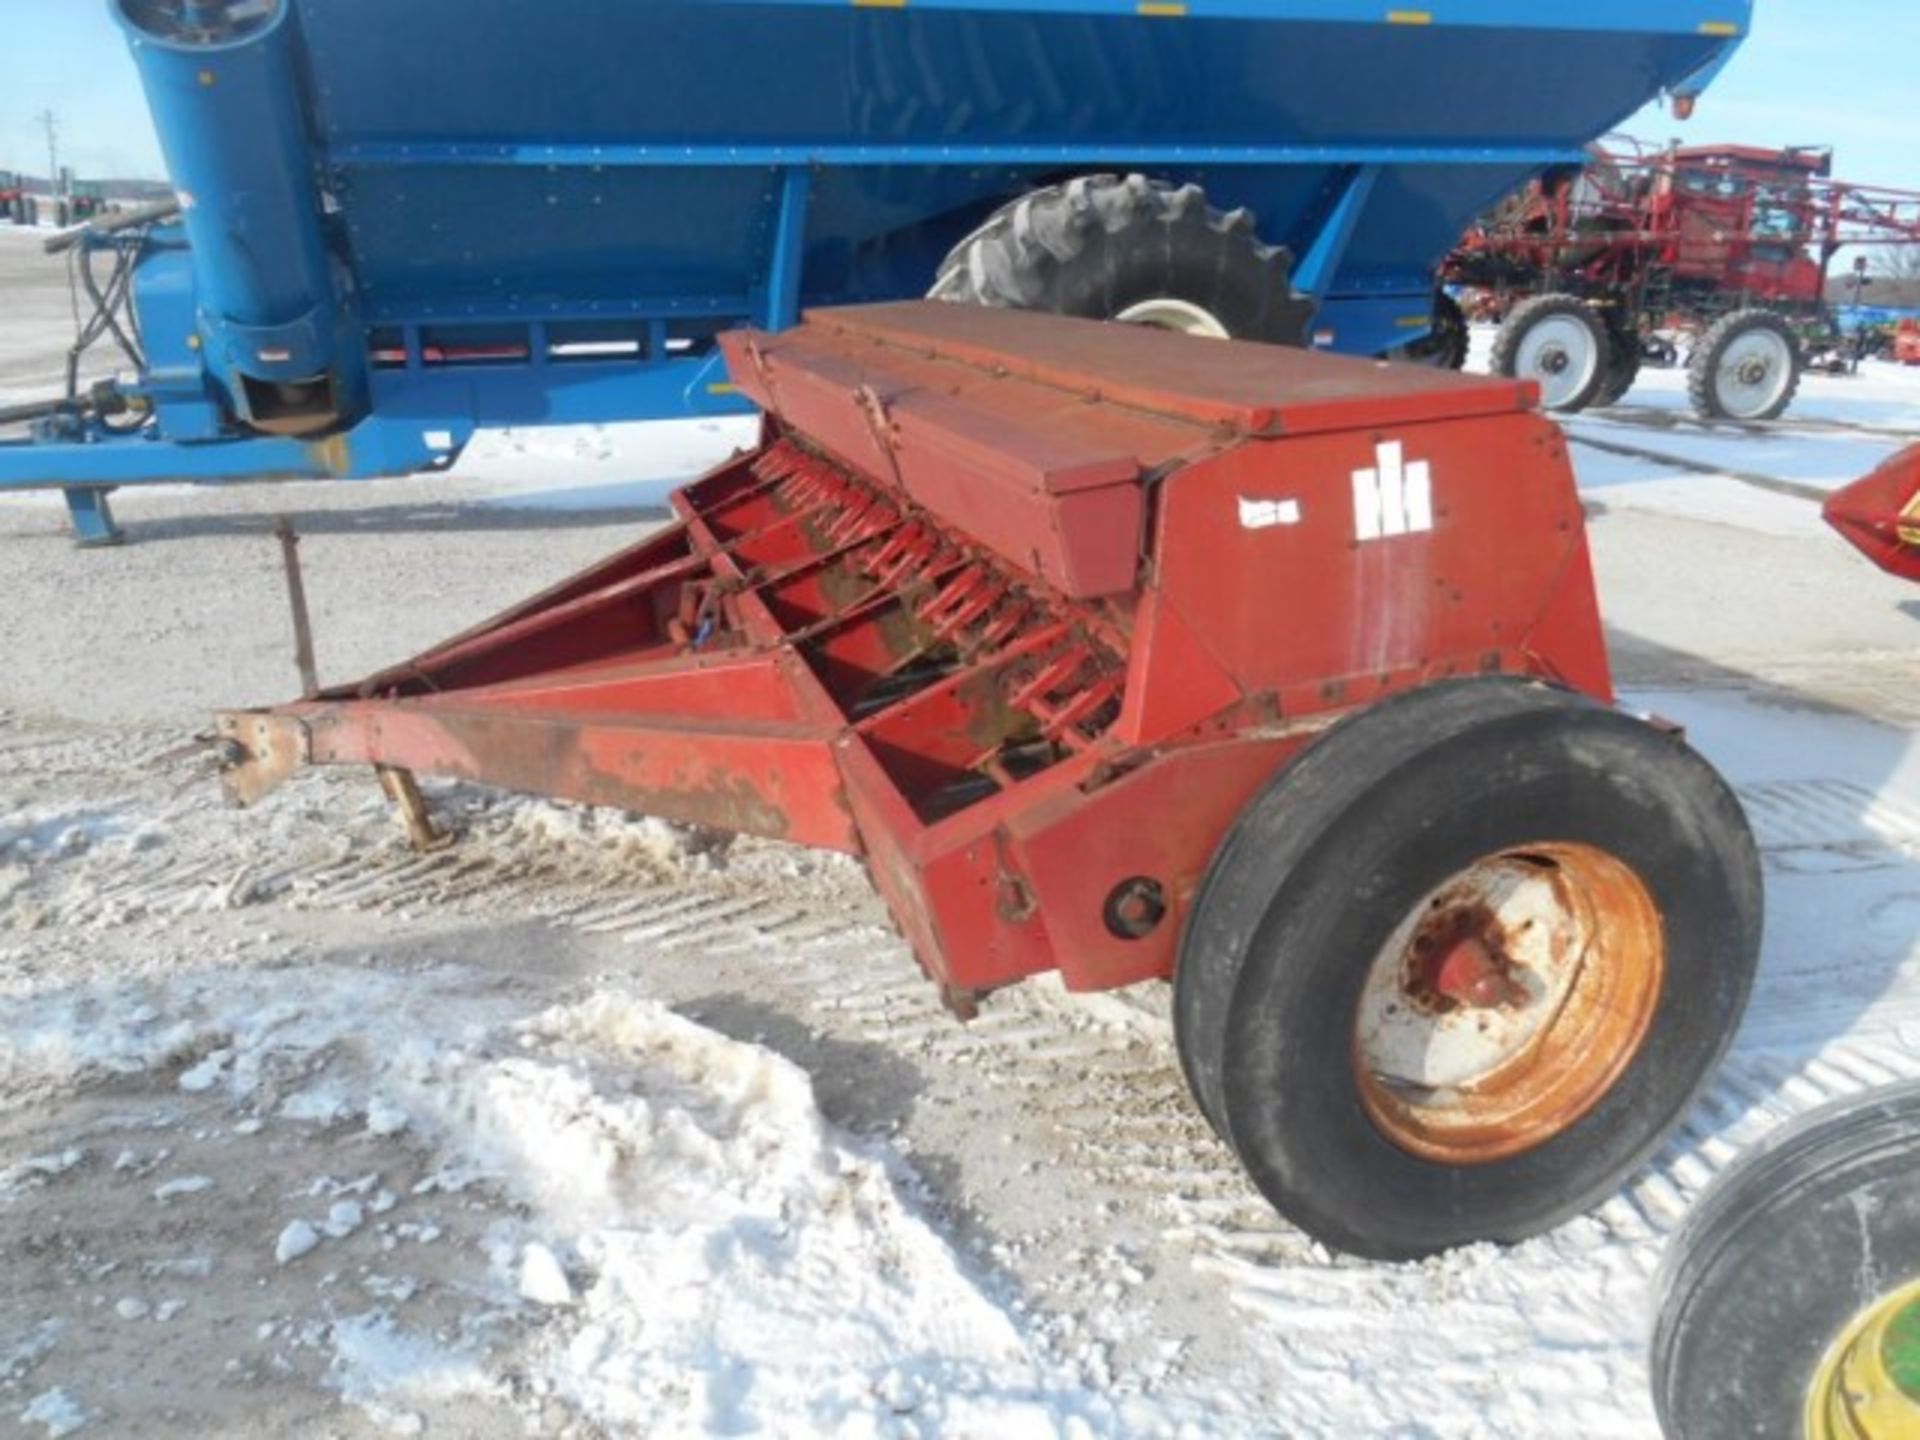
<point x="1562" y="353"/>
<point x="1507" y="1003"/>
<point x="1868" y="1384"/>
<point x="1471" y="973"/>
<point x="1753" y="374"/>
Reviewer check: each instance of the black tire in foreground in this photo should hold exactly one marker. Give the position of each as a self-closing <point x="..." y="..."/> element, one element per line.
<point x="1623" y="361"/>
<point x="1106" y="247"/>
<point x="1466" y="860"/>
<point x="1559" y="342"/>
<point x="1784" y="1287"/>
<point x="1746" y="367"/>
<point x="1444" y="347"/>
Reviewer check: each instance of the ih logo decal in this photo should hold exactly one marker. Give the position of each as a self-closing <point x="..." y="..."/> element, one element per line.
<point x="1393" y="498"/>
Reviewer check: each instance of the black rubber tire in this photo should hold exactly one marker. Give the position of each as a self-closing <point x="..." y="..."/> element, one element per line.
<point x="1317" y="872"/>
<point x="1704" y="364"/>
<point x="1790" y="1244"/>
<point x="1101" y="243"/>
<point x="1623" y="361"/>
<point x="1530" y="312"/>
<point x="1444" y="347"/>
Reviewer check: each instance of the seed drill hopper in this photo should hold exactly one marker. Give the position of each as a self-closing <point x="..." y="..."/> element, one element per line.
<point x="1139" y="657"/>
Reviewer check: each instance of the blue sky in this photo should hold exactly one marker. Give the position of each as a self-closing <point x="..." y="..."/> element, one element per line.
<point x="1814" y="72"/>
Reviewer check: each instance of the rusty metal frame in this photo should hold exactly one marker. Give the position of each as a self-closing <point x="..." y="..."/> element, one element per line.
<point x="1022" y="610"/>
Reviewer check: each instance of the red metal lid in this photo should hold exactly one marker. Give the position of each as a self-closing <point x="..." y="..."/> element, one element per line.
<point x="1253" y="389"/>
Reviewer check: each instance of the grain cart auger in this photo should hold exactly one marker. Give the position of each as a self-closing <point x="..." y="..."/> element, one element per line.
<point x="1142" y="656"/>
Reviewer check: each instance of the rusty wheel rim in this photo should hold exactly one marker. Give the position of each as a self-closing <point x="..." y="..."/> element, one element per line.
<point x="1508" y="1002"/>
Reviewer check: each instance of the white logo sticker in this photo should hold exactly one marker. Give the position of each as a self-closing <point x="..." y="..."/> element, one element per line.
<point x="1265" y="514"/>
<point x="1393" y="498"/>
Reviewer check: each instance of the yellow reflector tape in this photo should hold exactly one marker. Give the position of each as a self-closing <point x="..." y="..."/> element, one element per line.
<point x="1414" y="322"/>
<point x="1409" y="17"/>
<point x="881" y="4"/>
<point x="727" y="387"/>
<point x="1168" y="8"/>
<point x="1719" y="27"/>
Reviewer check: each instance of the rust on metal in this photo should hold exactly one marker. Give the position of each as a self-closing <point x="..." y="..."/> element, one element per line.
<point x="297" y="603"/>
<point x="404" y="791"/>
<point x="259" y="752"/>
<point x="1508" y="1004"/>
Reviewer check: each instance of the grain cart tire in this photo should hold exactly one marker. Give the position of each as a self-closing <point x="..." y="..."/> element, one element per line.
<point x="1746" y="367"/>
<point x="1559" y="342"/>
<point x="1463" y="965"/>
<point x="1623" y="363"/>
<point x="1790" y="1299"/>
<point x="1130" y="249"/>
<point x="1445" y="346"/>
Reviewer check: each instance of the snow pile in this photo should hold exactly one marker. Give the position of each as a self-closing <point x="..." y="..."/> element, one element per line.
<point x="671" y="1239"/>
<point x="56" y="1410"/>
<point x="739" y="1265"/>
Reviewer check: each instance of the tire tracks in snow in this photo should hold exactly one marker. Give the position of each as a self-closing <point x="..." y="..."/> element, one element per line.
<point x="1103" y="1078"/>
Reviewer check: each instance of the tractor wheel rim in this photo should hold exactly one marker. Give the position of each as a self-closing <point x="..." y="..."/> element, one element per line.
<point x="1181" y="316"/>
<point x="1867" y="1386"/>
<point x="1506" y="1004"/>
<point x="1753" y="374"/>
<point x="1560" y="353"/>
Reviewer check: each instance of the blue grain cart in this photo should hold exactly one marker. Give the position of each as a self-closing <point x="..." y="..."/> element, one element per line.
<point x="402" y="222"/>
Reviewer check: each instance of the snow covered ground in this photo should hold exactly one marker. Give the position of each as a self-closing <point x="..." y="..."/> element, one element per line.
<point x="591" y="1127"/>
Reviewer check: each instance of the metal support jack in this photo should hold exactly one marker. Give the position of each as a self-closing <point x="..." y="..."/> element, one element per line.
<point x="92" y="516"/>
<point x="404" y="791"/>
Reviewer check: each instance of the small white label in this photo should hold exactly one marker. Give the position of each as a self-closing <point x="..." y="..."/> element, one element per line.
<point x="1265" y="514"/>
<point x="439" y="439"/>
<point x="1393" y="498"/>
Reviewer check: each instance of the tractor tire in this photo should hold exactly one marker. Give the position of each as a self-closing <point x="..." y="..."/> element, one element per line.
<point x="1623" y="366"/>
<point x="1444" y="347"/>
<point x="1561" y="343"/>
<point x="1374" y="1107"/>
<point x="1746" y="367"/>
<point x="1807" y="1247"/>
<point x="1130" y="249"/>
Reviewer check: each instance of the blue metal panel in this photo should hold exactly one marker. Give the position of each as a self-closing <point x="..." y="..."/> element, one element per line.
<point x="1650" y="16"/>
<point x="628" y="130"/>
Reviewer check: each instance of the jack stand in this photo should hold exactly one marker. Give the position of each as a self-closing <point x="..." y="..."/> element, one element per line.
<point x="92" y="517"/>
<point x="405" y="793"/>
<point x="297" y="603"/>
